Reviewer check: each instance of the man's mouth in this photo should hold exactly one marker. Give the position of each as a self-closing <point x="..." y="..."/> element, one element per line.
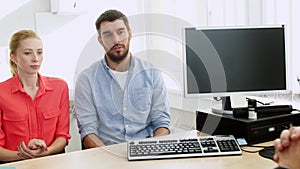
<point x="117" y="47"/>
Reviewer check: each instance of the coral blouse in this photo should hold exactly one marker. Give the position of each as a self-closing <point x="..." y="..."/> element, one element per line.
<point x="47" y="117"/>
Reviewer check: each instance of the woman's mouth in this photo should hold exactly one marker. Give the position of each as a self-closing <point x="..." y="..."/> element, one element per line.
<point x="35" y="66"/>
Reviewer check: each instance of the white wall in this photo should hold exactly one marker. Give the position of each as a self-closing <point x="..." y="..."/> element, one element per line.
<point x="219" y="13"/>
<point x="70" y="38"/>
<point x="19" y="14"/>
<point x="16" y="15"/>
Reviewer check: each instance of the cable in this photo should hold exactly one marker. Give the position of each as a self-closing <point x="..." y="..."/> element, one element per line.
<point x="260" y="101"/>
<point x="264" y="103"/>
<point x="296" y="110"/>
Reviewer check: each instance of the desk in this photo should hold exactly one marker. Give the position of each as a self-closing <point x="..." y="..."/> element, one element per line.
<point x="115" y="157"/>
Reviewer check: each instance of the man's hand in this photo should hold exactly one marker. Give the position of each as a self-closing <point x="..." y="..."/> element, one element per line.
<point x="91" y="141"/>
<point x="161" y="131"/>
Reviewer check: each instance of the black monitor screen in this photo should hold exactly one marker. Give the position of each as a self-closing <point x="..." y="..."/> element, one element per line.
<point x="225" y="60"/>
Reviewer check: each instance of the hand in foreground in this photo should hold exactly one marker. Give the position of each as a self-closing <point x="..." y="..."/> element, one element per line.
<point x="289" y="157"/>
<point x="286" y="137"/>
<point x="35" y="148"/>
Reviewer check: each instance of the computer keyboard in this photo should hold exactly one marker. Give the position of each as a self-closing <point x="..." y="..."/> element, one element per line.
<point x="178" y="148"/>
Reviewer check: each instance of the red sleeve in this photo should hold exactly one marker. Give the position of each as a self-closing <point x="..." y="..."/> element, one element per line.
<point x="63" y="125"/>
<point x="2" y="135"/>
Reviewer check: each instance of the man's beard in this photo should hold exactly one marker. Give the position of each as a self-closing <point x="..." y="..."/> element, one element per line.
<point x="117" y="58"/>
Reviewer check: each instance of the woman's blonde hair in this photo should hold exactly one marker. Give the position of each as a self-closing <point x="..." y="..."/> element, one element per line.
<point x="14" y="43"/>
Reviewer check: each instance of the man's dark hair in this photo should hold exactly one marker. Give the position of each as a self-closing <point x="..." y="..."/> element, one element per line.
<point x="111" y="15"/>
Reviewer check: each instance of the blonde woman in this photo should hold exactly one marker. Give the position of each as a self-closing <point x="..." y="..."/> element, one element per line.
<point x="34" y="109"/>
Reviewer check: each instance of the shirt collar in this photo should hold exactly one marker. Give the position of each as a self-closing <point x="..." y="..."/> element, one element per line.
<point x="104" y="62"/>
<point x="17" y="86"/>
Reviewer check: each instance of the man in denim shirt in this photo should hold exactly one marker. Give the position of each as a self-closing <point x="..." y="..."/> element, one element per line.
<point x="120" y="97"/>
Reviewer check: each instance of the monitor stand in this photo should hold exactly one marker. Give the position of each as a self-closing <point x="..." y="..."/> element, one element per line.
<point x="224" y="108"/>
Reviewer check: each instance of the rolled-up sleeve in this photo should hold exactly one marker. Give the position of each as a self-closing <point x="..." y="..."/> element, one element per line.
<point x="85" y="109"/>
<point x="160" y="111"/>
<point x="63" y="126"/>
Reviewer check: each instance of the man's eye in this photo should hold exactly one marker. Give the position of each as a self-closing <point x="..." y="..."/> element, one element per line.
<point x="27" y="53"/>
<point x="40" y="53"/>
<point x="121" y="32"/>
<point x="107" y="35"/>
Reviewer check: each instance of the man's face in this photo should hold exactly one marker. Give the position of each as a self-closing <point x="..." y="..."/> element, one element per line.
<point x="115" y="38"/>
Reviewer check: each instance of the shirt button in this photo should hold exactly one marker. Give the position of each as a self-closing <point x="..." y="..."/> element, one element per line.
<point x="124" y="108"/>
<point x="126" y="126"/>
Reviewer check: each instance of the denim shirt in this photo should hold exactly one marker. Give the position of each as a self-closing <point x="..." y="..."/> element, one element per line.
<point x="117" y="115"/>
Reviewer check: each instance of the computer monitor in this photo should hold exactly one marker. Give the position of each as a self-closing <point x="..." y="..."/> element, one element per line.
<point x="229" y="60"/>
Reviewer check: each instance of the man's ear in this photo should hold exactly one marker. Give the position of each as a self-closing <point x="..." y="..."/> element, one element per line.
<point x="100" y="40"/>
<point x="130" y="34"/>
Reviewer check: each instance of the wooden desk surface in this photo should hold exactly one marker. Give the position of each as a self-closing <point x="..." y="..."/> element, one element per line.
<point x="115" y="157"/>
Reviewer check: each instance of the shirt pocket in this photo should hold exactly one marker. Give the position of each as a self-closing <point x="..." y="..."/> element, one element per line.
<point x="140" y="99"/>
<point x="15" y="124"/>
<point x="50" y="120"/>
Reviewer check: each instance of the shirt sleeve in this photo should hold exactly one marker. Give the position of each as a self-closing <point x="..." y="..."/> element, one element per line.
<point x="64" y="118"/>
<point x="2" y="136"/>
<point x="160" y="111"/>
<point x="84" y="106"/>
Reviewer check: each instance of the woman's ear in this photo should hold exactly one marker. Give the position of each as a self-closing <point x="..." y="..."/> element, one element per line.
<point x="13" y="57"/>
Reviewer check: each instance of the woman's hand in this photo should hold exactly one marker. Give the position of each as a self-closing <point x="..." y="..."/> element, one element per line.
<point x="35" y="148"/>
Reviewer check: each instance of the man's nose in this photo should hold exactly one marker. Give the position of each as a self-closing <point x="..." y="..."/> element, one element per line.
<point x="116" y="38"/>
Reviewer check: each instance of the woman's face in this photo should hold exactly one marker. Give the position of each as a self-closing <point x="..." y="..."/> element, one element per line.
<point x="28" y="56"/>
